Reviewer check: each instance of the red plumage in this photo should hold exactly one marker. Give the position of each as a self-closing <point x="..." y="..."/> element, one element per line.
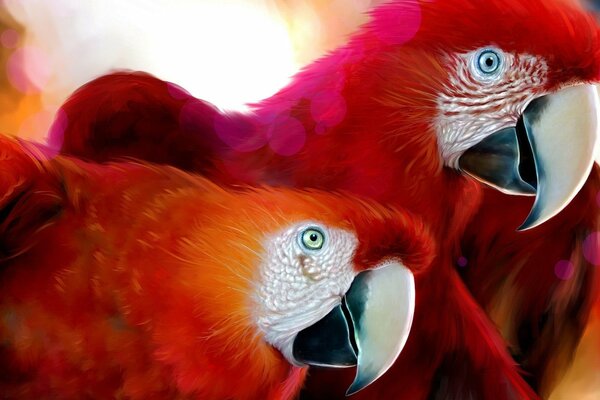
<point x="517" y="270"/>
<point x="361" y="120"/>
<point x="136" y="281"/>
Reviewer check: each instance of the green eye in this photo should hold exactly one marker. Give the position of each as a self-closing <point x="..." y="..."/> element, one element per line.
<point x="312" y="239"/>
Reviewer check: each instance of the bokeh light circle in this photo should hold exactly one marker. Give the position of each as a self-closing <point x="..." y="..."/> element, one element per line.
<point x="398" y="23"/>
<point x="591" y="248"/>
<point x="564" y="270"/>
<point x="289" y="138"/>
<point x="9" y="38"/>
<point x="28" y="69"/>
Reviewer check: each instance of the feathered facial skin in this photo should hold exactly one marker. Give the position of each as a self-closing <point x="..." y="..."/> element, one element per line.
<point x="134" y="281"/>
<point x="493" y="83"/>
<point x="423" y="97"/>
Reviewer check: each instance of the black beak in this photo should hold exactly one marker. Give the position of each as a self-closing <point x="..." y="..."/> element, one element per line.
<point x="497" y="161"/>
<point x="549" y="153"/>
<point x="368" y="328"/>
<point x="329" y="342"/>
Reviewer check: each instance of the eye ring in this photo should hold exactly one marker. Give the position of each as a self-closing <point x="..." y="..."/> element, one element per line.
<point x="488" y="62"/>
<point x="312" y="238"/>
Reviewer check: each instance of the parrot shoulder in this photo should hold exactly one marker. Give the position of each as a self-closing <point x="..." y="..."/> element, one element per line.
<point x="29" y="199"/>
<point x="135" y="115"/>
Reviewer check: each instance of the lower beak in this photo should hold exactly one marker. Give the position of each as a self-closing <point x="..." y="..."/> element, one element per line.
<point x="368" y="329"/>
<point x="549" y="153"/>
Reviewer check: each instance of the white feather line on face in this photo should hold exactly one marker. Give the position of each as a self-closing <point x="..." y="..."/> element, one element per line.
<point x="470" y="108"/>
<point x="297" y="287"/>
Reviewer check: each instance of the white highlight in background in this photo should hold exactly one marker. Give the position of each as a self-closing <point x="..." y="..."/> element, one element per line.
<point x="229" y="52"/>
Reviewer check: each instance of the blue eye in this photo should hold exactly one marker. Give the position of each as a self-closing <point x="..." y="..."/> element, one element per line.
<point x="489" y="62"/>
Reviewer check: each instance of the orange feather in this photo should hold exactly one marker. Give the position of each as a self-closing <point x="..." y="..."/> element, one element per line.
<point x="136" y="281"/>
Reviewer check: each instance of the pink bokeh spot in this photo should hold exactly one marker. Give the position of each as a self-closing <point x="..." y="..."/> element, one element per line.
<point x="9" y="38"/>
<point x="28" y="70"/>
<point x="15" y="71"/>
<point x="56" y="133"/>
<point x="462" y="261"/>
<point x="591" y="248"/>
<point x="239" y="133"/>
<point x="328" y="108"/>
<point x="564" y="270"/>
<point x="320" y="129"/>
<point x="289" y="137"/>
<point x="398" y="22"/>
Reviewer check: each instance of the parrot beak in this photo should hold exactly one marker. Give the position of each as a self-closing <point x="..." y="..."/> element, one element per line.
<point x="549" y="154"/>
<point x="368" y="329"/>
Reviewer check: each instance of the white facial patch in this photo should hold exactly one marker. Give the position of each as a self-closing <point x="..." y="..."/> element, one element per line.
<point x="476" y="103"/>
<point x="298" y="286"/>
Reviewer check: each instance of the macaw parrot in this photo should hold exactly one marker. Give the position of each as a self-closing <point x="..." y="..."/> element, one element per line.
<point x="479" y="116"/>
<point x="138" y="281"/>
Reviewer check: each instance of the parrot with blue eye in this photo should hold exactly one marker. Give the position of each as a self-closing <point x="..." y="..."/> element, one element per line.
<point x="139" y="281"/>
<point x="479" y="116"/>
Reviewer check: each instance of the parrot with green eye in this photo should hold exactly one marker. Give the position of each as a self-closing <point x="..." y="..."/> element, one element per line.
<point x="479" y="116"/>
<point x="138" y="281"/>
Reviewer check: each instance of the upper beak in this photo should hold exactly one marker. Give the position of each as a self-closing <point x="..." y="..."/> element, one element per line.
<point x="368" y="329"/>
<point x="550" y="152"/>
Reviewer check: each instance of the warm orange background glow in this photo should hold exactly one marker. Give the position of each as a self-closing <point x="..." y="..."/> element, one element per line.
<point x="228" y="52"/>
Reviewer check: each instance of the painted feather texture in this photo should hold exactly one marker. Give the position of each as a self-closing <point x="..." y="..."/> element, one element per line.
<point x="138" y="281"/>
<point x="360" y="120"/>
<point x="109" y="289"/>
<point x="442" y="299"/>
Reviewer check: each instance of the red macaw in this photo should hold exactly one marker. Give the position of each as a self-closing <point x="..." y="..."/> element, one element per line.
<point x="446" y="108"/>
<point x="136" y="281"/>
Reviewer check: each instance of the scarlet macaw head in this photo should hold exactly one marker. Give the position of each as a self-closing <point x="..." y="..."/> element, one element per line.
<point x="324" y="279"/>
<point x="317" y="308"/>
<point x="216" y="291"/>
<point x="504" y="87"/>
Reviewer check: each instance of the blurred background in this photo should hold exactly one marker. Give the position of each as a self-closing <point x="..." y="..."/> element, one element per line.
<point x="229" y="52"/>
